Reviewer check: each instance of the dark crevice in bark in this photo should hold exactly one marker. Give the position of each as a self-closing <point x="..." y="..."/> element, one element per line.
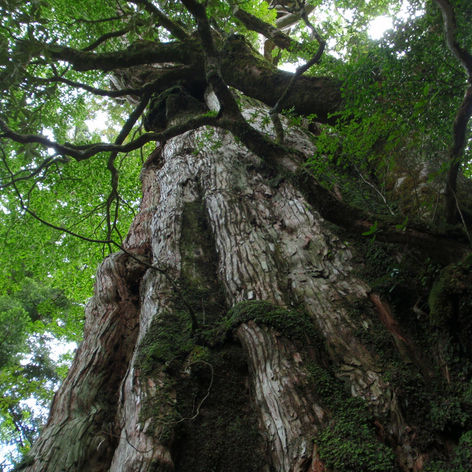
<point x="225" y="435"/>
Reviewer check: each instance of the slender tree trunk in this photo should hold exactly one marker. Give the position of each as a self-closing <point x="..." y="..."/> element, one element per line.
<point x="231" y="352"/>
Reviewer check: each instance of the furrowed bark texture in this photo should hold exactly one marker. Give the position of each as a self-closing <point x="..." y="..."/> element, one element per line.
<point x="144" y="387"/>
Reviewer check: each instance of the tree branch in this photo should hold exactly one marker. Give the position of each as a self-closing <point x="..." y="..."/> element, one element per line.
<point x="450" y="30"/>
<point x="141" y="52"/>
<point x="253" y="23"/>
<point x="243" y="69"/>
<point x="114" y="175"/>
<point x="277" y="108"/>
<point x="106" y="37"/>
<point x="463" y="114"/>
<point x="174" y="28"/>
<point x="358" y="221"/>
<point x="291" y="18"/>
<point x="82" y="152"/>
<point x="166" y="77"/>
<point x="212" y="62"/>
<point x="20" y="176"/>
<point x="101" y="20"/>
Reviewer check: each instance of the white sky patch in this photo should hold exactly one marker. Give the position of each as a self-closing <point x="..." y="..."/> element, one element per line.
<point x="378" y="26"/>
<point x="59" y="348"/>
<point x="98" y="123"/>
<point x="48" y="133"/>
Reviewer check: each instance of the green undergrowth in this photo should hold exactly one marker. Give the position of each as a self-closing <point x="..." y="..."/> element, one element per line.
<point x="349" y="442"/>
<point x="431" y="374"/>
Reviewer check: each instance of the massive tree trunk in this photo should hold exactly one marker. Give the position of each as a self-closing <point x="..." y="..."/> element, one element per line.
<point x="229" y="336"/>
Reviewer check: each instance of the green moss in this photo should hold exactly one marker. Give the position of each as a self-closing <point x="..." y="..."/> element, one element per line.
<point x="168" y="340"/>
<point x="349" y="442"/>
<point x="293" y="324"/>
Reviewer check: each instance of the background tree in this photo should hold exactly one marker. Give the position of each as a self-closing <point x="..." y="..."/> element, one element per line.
<point x="235" y="327"/>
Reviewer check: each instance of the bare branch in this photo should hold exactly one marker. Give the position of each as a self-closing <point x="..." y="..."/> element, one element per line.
<point x="28" y="174"/>
<point x="114" y="195"/>
<point x="277" y="108"/>
<point x="88" y="88"/>
<point x="166" y="77"/>
<point x="285" y="21"/>
<point x="101" y="20"/>
<point x="26" y="209"/>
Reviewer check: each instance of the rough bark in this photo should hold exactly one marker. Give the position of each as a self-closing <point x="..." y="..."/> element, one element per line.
<point x="147" y="384"/>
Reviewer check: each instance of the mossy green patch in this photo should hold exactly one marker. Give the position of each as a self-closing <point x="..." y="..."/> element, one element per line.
<point x="168" y="339"/>
<point x="348" y="443"/>
<point x="293" y="324"/>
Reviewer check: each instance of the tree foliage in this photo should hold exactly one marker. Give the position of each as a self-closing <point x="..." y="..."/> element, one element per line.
<point x="78" y="78"/>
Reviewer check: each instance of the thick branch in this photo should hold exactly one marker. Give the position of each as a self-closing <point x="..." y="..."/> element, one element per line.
<point x="450" y="28"/>
<point x="289" y="19"/>
<point x="142" y="52"/>
<point x="101" y="20"/>
<point x="204" y="30"/>
<point x="253" y="23"/>
<point x="241" y="67"/>
<point x="212" y="62"/>
<point x="245" y="70"/>
<point x="106" y="37"/>
<point x="358" y="221"/>
<point x="230" y="116"/>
